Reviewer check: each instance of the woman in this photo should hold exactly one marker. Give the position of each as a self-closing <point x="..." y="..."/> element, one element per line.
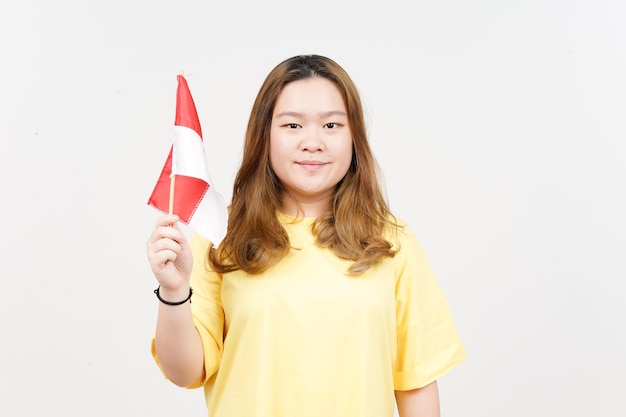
<point x="319" y="302"/>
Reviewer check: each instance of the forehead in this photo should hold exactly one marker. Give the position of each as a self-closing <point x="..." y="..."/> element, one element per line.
<point x="310" y="94"/>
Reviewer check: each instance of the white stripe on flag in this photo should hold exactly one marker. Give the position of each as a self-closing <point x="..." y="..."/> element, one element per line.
<point x="211" y="217"/>
<point x="188" y="156"/>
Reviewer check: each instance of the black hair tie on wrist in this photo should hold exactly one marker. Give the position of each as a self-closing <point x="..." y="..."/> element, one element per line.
<point x="170" y="303"/>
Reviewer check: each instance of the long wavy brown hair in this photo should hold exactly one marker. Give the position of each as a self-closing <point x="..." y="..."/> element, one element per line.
<point x="354" y="223"/>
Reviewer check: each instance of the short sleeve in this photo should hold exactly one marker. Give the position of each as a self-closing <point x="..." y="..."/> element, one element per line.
<point x="428" y="343"/>
<point x="206" y="308"/>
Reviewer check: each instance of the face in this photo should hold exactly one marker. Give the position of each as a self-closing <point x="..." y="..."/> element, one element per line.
<point x="310" y="142"/>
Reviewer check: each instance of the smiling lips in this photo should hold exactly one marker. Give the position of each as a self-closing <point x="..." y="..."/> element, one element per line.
<point x="311" y="165"/>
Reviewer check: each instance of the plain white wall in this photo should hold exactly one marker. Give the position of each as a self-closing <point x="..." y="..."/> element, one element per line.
<point x="499" y="127"/>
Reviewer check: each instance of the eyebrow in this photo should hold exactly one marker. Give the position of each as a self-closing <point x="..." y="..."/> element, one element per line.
<point x="322" y="114"/>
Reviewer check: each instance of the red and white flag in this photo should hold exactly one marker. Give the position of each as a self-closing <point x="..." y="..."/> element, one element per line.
<point x="184" y="187"/>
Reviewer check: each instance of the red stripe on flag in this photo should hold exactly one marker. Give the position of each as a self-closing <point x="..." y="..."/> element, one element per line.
<point x="189" y="192"/>
<point x="186" y="114"/>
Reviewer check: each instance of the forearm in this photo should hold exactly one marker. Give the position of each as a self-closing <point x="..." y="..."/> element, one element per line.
<point x="177" y="341"/>
<point x="421" y="402"/>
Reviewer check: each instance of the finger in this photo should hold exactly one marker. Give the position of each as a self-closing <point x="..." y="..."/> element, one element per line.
<point x="167" y="232"/>
<point x="160" y="259"/>
<point x="164" y="244"/>
<point x="167" y="220"/>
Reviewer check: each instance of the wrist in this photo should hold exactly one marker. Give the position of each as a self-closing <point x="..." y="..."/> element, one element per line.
<point x="174" y="297"/>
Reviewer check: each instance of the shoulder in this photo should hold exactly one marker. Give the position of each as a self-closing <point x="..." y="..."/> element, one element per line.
<point x="399" y="233"/>
<point x="405" y="243"/>
<point x="199" y="244"/>
<point x="200" y="247"/>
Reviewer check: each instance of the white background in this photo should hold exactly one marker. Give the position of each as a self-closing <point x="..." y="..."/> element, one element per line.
<point x="499" y="127"/>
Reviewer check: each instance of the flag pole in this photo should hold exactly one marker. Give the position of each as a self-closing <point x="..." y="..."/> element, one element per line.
<point x="173" y="177"/>
<point x="172" y="181"/>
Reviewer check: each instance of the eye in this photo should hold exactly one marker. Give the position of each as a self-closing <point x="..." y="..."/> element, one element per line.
<point x="331" y="125"/>
<point x="291" y="125"/>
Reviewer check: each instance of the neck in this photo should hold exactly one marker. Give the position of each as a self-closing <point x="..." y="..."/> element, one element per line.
<point x="306" y="208"/>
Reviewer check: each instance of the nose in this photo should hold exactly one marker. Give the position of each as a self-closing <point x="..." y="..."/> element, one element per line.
<point x="312" y="141"/>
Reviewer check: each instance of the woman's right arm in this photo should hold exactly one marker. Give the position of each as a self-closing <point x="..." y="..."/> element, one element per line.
<point x="177" y="341"/>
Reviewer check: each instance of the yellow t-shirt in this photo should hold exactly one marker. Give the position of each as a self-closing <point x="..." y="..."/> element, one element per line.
<point x="305" y="339"/>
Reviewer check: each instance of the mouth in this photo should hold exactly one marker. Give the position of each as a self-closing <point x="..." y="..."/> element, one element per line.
<point x="311" y="165"/>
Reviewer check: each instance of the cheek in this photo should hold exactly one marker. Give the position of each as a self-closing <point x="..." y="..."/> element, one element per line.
<point x="274" y="148"/>
<point x="277" y="154"/>
<point x="347" y="152"/>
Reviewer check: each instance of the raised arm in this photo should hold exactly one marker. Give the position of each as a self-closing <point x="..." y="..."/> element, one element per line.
<point x="177" y="342"/>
